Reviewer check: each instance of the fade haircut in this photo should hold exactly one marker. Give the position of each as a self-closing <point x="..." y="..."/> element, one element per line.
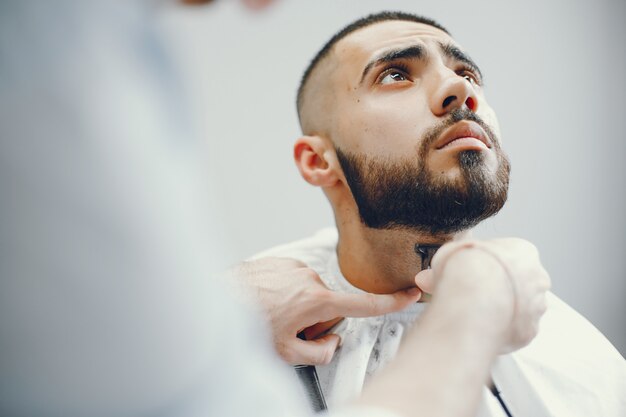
<point x="357" y="24"/>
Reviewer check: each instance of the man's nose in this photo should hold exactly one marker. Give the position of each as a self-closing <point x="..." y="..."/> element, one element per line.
<point x="452" y="91"/>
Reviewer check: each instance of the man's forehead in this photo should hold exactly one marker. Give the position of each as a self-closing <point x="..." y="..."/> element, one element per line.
<point x="364" y="43"/>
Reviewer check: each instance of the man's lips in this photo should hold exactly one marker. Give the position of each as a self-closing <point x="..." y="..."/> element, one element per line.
<point x="464" y="134"/>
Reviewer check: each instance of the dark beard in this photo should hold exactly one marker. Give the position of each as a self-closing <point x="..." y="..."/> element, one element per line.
<point x="405" y="195"/>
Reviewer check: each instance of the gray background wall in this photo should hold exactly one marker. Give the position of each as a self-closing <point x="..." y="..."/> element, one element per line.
<point x="555" y="73"/>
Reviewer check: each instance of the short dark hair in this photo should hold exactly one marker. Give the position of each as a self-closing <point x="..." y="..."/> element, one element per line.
<point x="358" y="24"/>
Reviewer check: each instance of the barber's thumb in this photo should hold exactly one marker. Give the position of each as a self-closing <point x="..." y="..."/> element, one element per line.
<point x="318" y="351"/>
<point x="425" y="280"/>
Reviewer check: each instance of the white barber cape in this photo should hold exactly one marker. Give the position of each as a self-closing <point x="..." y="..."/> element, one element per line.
<point x="570" y="369"/>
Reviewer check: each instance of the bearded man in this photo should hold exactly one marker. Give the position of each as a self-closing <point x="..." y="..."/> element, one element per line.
<point x="400" y="137"/>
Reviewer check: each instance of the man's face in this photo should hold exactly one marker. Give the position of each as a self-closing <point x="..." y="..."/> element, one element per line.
<point x="416" y="139"/>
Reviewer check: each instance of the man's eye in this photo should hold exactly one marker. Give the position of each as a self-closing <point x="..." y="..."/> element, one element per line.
<point x="469" y="76"/>
<point x="392" y="76"/>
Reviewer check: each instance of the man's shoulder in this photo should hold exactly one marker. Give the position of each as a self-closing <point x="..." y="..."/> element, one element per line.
<point x="562" y="327"/>
<point x="570" y="368"/>
<point x="572" y="355"/>
<point x="314" y="250"/>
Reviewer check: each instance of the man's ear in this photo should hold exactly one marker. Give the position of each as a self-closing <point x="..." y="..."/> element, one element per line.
<point x="317" y="161"/>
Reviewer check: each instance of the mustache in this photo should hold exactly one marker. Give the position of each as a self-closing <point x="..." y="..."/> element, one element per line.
<point x="454" y="117"/>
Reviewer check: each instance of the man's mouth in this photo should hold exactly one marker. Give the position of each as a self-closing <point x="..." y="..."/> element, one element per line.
<point x="464" y="135"/>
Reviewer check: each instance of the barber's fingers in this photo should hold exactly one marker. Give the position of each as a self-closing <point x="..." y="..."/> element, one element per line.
<point x="425" y="280"/>
<point x="362" y="305"/>
<point x="317" y="329"/>
<point x="311" y="352"/>
<point x="367" y="305"/>
<point x="447" y="251"/>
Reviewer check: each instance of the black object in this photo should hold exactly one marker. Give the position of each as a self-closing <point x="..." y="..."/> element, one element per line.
<point x="426" y="253"/>
<point x="496" y="393"/>
<point x="308" y="377"/>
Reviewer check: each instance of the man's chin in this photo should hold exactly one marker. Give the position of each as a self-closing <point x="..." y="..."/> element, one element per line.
<point x="454" y="167"/>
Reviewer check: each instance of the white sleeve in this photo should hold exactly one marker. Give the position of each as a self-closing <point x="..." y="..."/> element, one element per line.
<point x="107" y="306"/>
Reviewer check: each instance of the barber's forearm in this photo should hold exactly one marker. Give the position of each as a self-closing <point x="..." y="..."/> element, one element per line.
<point x="440" y="373"/>
<point x="444" y="363"/>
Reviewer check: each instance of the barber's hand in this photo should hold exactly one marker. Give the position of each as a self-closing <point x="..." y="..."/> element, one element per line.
<point x="503" y="278"/>
<point x="296" y="299"/>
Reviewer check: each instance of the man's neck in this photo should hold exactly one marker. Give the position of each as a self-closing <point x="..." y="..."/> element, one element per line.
<point x="381" y="261"/>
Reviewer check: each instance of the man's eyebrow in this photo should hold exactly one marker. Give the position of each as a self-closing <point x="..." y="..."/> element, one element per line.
<point x="453" y="51"/>
<point x="409" y="52"/>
